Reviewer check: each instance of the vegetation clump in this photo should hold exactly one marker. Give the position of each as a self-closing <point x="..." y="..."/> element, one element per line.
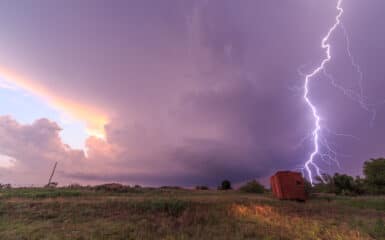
<point x="253" y="187"/>
<point x="343" y="184"/>
<point x="225" y="185"/>
<point x="202" y="187"/>
<point x="374" y="171"/>
<point x="115" y="187"/>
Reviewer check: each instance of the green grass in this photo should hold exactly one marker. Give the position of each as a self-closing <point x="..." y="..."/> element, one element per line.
<point x="39" y="193"/>
<point x="182" y="214"/>
<point x="376" y="203"/>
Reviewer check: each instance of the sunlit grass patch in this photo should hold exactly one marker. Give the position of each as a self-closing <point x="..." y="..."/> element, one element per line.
<point x="283" y="224"/>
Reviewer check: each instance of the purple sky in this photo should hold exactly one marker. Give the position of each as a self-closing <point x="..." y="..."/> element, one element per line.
<point x="188" y="92"/>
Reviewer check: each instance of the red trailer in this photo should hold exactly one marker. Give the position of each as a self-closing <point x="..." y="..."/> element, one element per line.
<point x="288" y="185"/>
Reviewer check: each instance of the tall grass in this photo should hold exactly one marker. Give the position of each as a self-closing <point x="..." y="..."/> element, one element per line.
<point x="183" y="214"/>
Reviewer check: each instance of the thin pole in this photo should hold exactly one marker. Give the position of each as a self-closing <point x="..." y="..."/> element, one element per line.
<point x="53" y="172"/>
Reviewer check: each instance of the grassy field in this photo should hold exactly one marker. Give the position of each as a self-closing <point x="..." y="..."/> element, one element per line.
<point x="184" y="214"/>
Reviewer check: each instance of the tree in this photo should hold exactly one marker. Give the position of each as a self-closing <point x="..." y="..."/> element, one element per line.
<point x="344" y="184"/>
<point x="253" y="187"/>
<point x="374" y="171"/>
<point x="226" y="185"/>
<point x="340" y="184"/>
<point x="360" y="186"/>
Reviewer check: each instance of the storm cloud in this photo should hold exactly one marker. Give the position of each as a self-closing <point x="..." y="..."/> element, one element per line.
<point x="193" y="91"/>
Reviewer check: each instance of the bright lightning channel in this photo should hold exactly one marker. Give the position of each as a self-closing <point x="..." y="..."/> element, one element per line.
<point x="317" y="119"/>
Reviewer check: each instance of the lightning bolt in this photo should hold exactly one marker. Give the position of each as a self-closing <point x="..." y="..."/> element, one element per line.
<point x="317" y="118"/>
<point x="360" y="96"/>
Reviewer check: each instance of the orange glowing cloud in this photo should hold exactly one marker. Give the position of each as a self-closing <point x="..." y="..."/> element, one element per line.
<point x="94" y="118"/>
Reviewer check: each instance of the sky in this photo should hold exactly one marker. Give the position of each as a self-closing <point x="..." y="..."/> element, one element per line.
<point x="181" y="92"/>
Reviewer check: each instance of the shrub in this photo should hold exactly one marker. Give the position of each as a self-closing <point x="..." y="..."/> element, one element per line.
<point x="5" y="186"/>
<point x="347" y="185"/>
<point x="115" y="187"/>
<point x="170" y="188"/>
<point x="344" y="184"/>
<point x="360" y="187"/>
<point x="202" y="188"/>
<point x="75" y="186"/>
<point x="253" y="187"/>
<point x="225" y="185"/>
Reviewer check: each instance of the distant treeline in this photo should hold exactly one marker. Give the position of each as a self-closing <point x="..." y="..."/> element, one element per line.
<point x="372" y="183"/>
<point x="343" y="184"/>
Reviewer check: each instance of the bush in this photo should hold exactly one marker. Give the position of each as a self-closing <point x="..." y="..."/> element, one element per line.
<point x="170" y="188"/>
<point x="74" y="186"/>
<point x="202" y="188"/>
<point x="253" y="187"/>
<point x="344" y="184"/>
<point x="226" y="185"/>
<point x="341" y="184"/>
<point x="360" y="187"/>
<point x="114" y="187"/>
<point x="5" y="186"/>
<point x="347" y="185"/>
